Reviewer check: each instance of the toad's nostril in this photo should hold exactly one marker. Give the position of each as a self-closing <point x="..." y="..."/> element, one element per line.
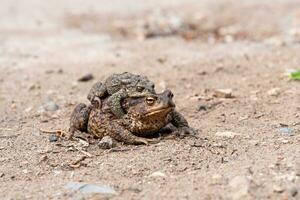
<point x="169" y="94"/>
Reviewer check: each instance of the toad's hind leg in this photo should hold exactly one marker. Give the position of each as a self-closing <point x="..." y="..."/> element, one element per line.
<point x="114" y="101"/>
<point x="121" y="134"/>
<point x="79" y="119"/>
<point x="97" y="90"/>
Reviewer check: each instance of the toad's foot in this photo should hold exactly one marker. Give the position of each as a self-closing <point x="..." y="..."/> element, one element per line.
<point x="185" y="131"/>
<point x="153" y="140"/>
<point x="147" y="141"/>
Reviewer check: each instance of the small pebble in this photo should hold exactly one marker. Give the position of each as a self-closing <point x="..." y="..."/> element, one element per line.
<point x="226" y="134"/>
<point x="223" y="93"/>
<point x="13" y="105"/>
<point x="274" y="92"/>
<point x="28" y="109"/>
<point x="43" y="158"/>
<point x="34" y="86"/>
<point x="284" y="141"/>
<point x="106" y="143"/>
<point x="286" y="131"/>
<point x="158" y="174"/>
<point x="49" y="71"/>
<point x="217" y="176"/>
<point x="53" y="138"/>
<point x="202" y="73"/>
<point x="88" y="188"/>
<point x="277" y="189"/>
<point x="202" y="108"/>
<point x="86" y="78"/>
<point x="74" y="85"/>
<point x="161" y="60"/>
<point x="51" y="106"/>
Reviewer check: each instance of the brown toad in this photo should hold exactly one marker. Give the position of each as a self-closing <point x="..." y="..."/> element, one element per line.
<point x="144" y="117"/>
<point x="118" y="87"/>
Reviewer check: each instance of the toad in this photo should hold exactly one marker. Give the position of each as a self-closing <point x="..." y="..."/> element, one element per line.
<point x="144" y="116"/>
<point x="118" y="87"/>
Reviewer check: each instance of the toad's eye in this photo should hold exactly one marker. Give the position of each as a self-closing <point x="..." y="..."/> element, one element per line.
<point x="139" y="88"/>
<point x="150" y="101"/>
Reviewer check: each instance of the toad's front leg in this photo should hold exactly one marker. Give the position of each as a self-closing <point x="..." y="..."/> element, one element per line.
<point x="181" y="124"/>
<point x="121" y="134"/>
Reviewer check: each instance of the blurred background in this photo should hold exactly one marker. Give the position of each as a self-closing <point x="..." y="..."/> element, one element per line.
<point x="30" y="30"/>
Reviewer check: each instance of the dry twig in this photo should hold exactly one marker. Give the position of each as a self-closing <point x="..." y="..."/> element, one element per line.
<point x="58" y="133"/>
<point x="77" y="163"/>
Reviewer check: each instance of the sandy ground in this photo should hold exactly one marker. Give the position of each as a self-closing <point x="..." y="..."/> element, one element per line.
<point x="45" y="46"/>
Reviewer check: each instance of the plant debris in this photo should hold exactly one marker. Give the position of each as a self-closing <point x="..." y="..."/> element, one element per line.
<point x="295" y="75"/>
<point x="58" y="133"/>
<point x="223" y="93"/>
<point x="77" y="163"/>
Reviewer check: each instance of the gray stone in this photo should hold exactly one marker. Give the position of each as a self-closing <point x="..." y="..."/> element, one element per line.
<point x="90" y="188"/>
<point x="51" y="106"/>
<point x="53" y="138"/>
<point x="286" y="131"/>
<point x="226" y="134"/>
<point x="106" y="143"/>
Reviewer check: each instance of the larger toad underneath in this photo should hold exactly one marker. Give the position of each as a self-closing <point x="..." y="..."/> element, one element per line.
<point x="144" y="117"/>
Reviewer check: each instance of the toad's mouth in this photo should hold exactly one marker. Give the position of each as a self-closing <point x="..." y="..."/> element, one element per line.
<point x="159" y="111"/>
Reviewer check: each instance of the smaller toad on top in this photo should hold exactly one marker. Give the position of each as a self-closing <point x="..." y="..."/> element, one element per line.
<point x="118" y="87"/>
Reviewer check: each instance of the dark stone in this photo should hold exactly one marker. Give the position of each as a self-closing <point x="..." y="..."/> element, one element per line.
<point x="53" y="138"/>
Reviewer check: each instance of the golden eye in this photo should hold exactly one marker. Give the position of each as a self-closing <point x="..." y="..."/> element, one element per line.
<point x="150" y="101"/>
<point x="139" y="88"/>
